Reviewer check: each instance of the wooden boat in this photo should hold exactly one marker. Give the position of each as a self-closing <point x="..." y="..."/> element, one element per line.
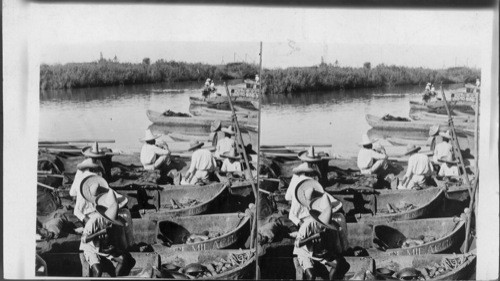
<point x="159" y="118"/>
<point x="241" y="187"/>
<point x="438" y="106"/>
<point x="449" y="235"/>
<point x="185" y="137"/>
<point x="75" y="265"/>
<point x="220" y="113"/>
<point x="377" y="123"/>
<point x="461" y="272"/>
<point x="404" y="142"/>
<point x="170" y="91"/>
<point x="433" y="117"/>
<point x="232" y="227"/>
<point x="249" y="103"/>
<point x="289" y="269"/>
<point x="207" y="198"/>
<point x="246" y="270"/>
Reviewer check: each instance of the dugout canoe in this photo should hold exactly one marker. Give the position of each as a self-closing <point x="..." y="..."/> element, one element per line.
<point x="377" y="123"/>
<point x="462" y="272"/>
<point x="233" y="229"/>
<point x="449" y="234"/>
<point x="223" y="101"/>
<point x="75" y="265"/>
<point x="404" y="142"/>
<point x="219" y="113"/>
<point x="434" y="117"/>
<point x="241" y="187"/>
<point x="245" y="270"/>
<point x="186" y="137"/>
<point x="438" y="106"/>
<point x="159" y="118"/>
<point x="156" y="204"/>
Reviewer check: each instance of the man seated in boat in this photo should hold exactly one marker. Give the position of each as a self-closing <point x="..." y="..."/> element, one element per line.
<point x="154" y="157"/>
<point x="449" y="167"/>
<point x="320" y="242"/>
<point x="419" y="171"/>
<point x="316" y="162"/>
<point x="202" y="164"/>
<point x="205" y="92"/>
<point x="98" y="156"/>
<point x="212" y="87"/>
<point x="372" y="159"/>
<point x="226" y="144"/>
<point x="427" y="96"/>
<point x="231" y="163"/>
<point x="443" y="149"/>
<point x="300" y="173"/>
<point x="102" y="254"/>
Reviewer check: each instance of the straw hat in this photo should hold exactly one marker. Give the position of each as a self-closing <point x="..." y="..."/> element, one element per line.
<point x="303" y="168"/>
<point x="320" y="203"/>
<point x="309" y="155"/>
<point x="215" y="125"/>
<point x="448" y="159"/>
<point x="93" y="185"/>
<point x="93" y="151"/>
<point x="433" y="130"/>
<point x="107" y="206"/>
<point x="446" y="135"/>
<point x="89" y="164"/>
<point x="411" y="148"/>
<point x="148" y="135"/>
<point x="231" y="155"/>
<point x="321" y="211"/>
<point x="308" y="190"/>
<point x="194" y="145"/>
<point x="229" y="130"/>
<point x="365" y="140"/>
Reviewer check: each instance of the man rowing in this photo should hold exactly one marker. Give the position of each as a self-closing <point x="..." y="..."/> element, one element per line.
<point x="152" y="156"/>
<point x="202" y="164"/>
<point x="419" y="170"/>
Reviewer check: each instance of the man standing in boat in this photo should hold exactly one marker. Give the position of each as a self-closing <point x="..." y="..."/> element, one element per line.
<point x="371" y="161"/>
<point x="152" y="156"/>
<point x="419" y="170"/>
<point x="202" y="164"/>
<point x="319" y="243"/>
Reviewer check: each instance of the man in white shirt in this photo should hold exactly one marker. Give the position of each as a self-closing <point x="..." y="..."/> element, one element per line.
<point x="419" y="169"/>
<point x="371" y="161"/>
<point x="231" y="162"/>
<point x="152" y="156"/>
<point x="443" y="149"/>
<point x="226" y="144"/>
<point x="302" y="172"/>
<point x="202" y="164"/>
<point x="449" y="167"/>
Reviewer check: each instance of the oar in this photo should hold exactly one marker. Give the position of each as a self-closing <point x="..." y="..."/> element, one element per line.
<point x="46" y="186"/>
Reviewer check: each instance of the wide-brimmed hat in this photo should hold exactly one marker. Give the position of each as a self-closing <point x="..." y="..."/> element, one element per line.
<point x="93" y="151"/>
<point x="307" y="190"/>
<point x="229" y="130"/>
<point x="448" y="159"/>
<point x="195" y="144"/>
<point x="321" y="211"/>
<point x="215" y="125"/>
<point x="433" y="130"/>
<point x="148" y="135"/>
<point x="446" y="135"/>
<point x="107" y="206"/>
<point x="231" y="155"/>
<point x="89" y="164"/>
<point x="309" y="155"/>
<point x="365" y="140"/>
<point x="320" y="202"/>
<point x="303" y="168"/>
<point x="411" y="148"/>
<point x="93" y="185"/>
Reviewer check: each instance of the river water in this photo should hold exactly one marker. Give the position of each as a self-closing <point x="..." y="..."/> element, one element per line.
<point x="117" y="113"/>
<point x="335" y="118"/>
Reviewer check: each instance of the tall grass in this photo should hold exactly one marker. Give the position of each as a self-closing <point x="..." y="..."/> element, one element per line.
<point x="110" y="72"/>
<point x="330" y="77"/>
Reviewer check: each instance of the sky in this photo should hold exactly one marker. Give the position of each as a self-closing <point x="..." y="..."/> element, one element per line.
<point x="291" y="36"/>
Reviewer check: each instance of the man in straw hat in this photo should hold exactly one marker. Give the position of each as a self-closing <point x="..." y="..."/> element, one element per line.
<point x="322" y="256"/>
<point x="98" y="156"/>
<point x="371" y="161"/>
<point x="303" y="172"/>
<point x="202" y="164"/>
<point x="314" y="160"/>
<point x="433" y="133"/>
<point x="152" y="156"/>
<point x="443" y="149"/>
<point x="231" y="162"/>
<point x="226" y="144"/>
<point x="449" y="168"/>
<point x="419" y="169"/>
<point x="99" y="252"/>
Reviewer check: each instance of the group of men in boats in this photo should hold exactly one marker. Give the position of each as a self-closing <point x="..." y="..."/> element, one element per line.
<point x="209" y="88"/>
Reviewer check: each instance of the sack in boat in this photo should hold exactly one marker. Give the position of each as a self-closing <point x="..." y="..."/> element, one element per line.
<point x="171" y="113"/>
<point x="389" y="117"/>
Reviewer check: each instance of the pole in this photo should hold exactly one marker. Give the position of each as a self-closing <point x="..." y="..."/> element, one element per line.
<point x="257" y="271"/>
<point x="476" y="132"/>
<point x="240" y="140"/>
<point x="469" y="215"/>
<point x="456" y="146"/>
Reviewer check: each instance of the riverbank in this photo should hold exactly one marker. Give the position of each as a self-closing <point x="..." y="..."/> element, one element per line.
<point x="326" y="77"/>
<point x="113" y="73"/>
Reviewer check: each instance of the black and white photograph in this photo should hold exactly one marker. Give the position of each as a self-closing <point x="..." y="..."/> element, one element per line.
<point x="249" y="141"/>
